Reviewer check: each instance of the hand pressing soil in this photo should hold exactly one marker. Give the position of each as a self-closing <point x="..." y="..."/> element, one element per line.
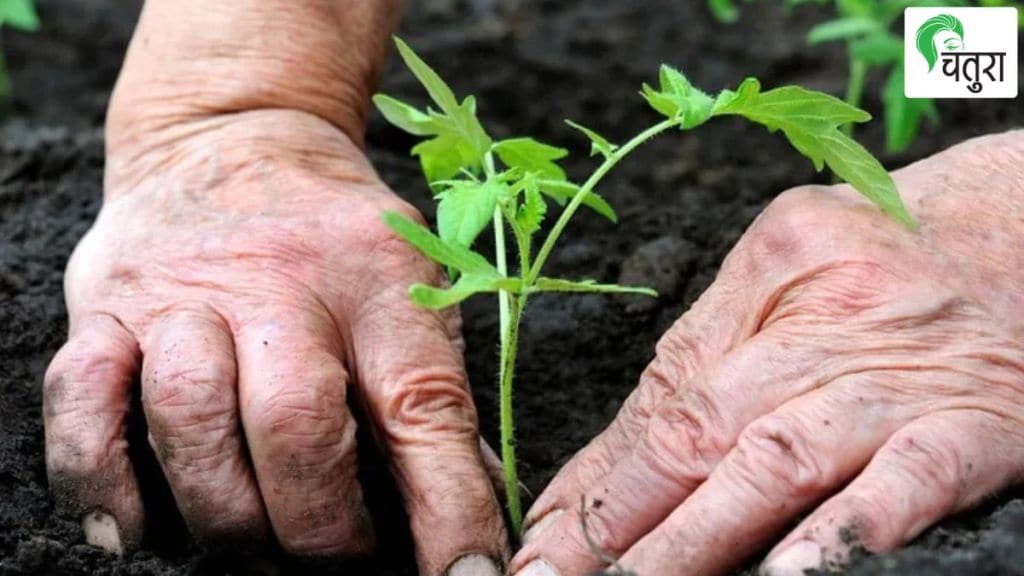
<point x="839" y="364"/>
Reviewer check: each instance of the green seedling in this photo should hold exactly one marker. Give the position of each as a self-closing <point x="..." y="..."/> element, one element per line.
<point x="506" y="185"/>
<point x="20" y="14"/>
<point x="866" y="26"/>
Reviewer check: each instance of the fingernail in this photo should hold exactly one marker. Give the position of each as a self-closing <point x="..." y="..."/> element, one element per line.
<point x="101" y="530"/>
<point x="474" y="565"/>
<point x="539" y="526"/>
<point x="795" y="560"/>
<point x="537" y="568"/>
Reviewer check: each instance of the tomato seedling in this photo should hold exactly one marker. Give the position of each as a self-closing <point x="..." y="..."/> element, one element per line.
<point x="866" y="28"/>
<point x="20" y="14"/>
<point x="506" y="185"/>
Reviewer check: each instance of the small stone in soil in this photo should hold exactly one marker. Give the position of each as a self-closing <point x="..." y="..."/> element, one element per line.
<point x="661" y="264"/>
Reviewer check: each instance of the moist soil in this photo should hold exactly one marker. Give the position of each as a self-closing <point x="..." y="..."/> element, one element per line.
<point x="683" y="202"/>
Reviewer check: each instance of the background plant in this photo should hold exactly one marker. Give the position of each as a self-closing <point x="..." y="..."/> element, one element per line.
<point x="20" y="14"/>
<point x="506" y="185"/>
<point x="866" y="27"/>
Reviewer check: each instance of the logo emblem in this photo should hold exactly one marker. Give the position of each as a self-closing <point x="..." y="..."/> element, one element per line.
<point x="960" y="53"/>
<point x="943" y="31"/>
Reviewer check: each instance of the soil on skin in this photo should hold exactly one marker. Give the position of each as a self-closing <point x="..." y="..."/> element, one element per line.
<point x="683" y="203"/>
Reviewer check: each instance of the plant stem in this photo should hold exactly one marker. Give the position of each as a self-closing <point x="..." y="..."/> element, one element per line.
<point x="502" y="265"/>
<point x="588" y="186"/>
<point x="509" y="347"/>
<point x="500" y="256"/>
<point x="508" y="321"/>
<point x="509" y="312"/>
<point x="855" y="87"/>
<point x="522" y="240"/>
<point x="510" y="307"/>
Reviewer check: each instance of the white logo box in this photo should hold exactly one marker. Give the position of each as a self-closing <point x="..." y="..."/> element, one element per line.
<point x="982" y="63"/>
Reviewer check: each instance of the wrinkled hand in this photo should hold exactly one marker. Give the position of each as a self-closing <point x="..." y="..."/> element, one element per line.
<point x="839" y="365"/>
<point x="240" y="265"/>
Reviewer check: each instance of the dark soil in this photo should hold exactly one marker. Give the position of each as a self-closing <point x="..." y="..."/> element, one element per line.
<point x="683" y="202"/>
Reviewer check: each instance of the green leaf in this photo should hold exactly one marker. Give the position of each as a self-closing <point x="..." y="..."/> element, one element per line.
<point x="532" y="156"/>
<point x="531" y="212"/>
<point x="598" y="144"/>
<point x="444" y="157"/>
<point x="466" y="286"/>
<point x="843" y="29"/>
<point x="811" y="120"/>
<point x="20" y="14"/>
<point x="458" y="257"/>
<point x="791" y="106"/>
<point x="889" y="10"/>
<point x="560" y="285"/>
<point x="562" y="191"/>
<point x="464" y="126"/>
<point x="724" y="10"/>
<point x="857" y="8"/>
<point x="903" y="115"/>
<point x="404" y="116"/>
<point x="465" y="209"/>
<point x="461" y="141"/>
<point x="439" y="91"/>
<point x="878" y="49"/>
<point x="748" y="91"/>
<point x="854" y="164"/>
<point x="677" y="99"/>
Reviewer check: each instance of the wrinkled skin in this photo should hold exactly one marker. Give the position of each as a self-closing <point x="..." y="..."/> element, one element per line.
<point x="839" y="366"/>
<point x="239" y="267"/>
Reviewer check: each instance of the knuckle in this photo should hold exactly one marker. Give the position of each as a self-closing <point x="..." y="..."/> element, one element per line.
<point x="303" y="415"/>
<point x="389" y="257"/>
<point x="849" y="288"/>
<point x="928" y="461"/>
<point x="835" y="291"/>
<point x="788" y="227"/>
<point x="599" y="530"/>
<point x="678" y="354"/>
<point x="656" y="384"/>
<point x="676" y="360"/>
<point x="191" y="420"/>
<point x="377" y="237"/>
<point x="679" y="443"/>
<point x="75" y="371"/>
<point x="785" y="224"/>
<point x="205" y="384"/>
<point x="429" y="403"/>
<point x="589" y="467"/>
<point x="776" y="458"/>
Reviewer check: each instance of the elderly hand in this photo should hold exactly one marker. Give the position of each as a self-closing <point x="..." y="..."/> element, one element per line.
<point x="240" y="267"/>
<point x="840" y="366"/>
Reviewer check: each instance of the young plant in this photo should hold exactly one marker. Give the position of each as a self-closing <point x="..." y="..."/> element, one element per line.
<point x="506" y="185"/>
<point x="866" y="28"/>
<point x="20" y="14"/>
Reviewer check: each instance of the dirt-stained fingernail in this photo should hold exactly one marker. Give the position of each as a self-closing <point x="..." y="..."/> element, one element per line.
<point x="538" y="568"/>
<point x="535" y="529"/>
<point x="794" y="560"/>
<point x="101" y="530"/>
<point x="474" y="565"/>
